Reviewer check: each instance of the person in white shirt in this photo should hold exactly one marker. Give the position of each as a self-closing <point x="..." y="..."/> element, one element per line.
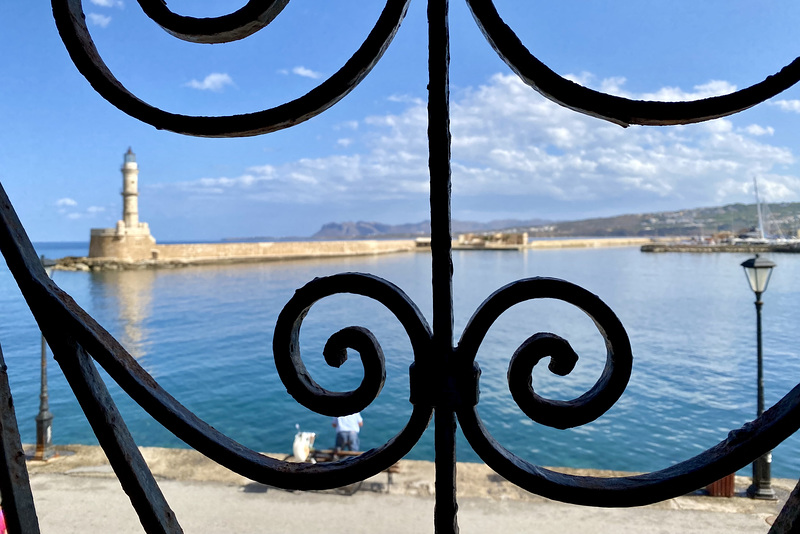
<point x="347" y="428"/>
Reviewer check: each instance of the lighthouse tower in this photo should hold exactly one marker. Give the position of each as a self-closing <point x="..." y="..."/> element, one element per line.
<point x="130" y="190"/>
<point x="130" y="239"/>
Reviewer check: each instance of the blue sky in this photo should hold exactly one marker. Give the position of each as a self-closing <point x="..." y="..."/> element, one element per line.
<point x="515" y="154"/>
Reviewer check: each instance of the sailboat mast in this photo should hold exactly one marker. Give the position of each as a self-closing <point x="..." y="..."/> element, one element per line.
<point x="758" y="208"/>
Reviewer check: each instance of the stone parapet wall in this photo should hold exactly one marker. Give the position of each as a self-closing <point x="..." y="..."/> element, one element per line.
<point x="137" y="252"/>
<point x="103" y="231"/>
<point x="279" y="250"/>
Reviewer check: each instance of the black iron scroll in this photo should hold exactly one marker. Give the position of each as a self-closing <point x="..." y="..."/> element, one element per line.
<point x="444" y="377"/>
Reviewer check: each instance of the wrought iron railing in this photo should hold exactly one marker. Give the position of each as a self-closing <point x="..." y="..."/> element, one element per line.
<point x="444" y="377"/>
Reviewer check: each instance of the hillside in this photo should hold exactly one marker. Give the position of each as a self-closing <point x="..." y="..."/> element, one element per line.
<point x="780" y="219"/>
<point x="362" y="229"/>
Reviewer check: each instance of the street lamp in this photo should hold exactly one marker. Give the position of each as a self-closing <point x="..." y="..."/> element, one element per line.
<point x="758" y="271"/>
<point x="44" y="419"/>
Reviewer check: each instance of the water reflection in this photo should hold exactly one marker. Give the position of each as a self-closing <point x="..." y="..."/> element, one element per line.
<point x="206" y="334"/>
<point x="126" y="299"/>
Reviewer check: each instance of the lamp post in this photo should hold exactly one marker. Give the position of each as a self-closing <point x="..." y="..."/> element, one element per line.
<point x="758" y="271"/>
<point x="44" y="419"/>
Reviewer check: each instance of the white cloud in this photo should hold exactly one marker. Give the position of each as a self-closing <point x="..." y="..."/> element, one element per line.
<point x="707" y="90"/>
<point x="67" y="207"/>
<point x="787" y="105"/>
<point x="347" y="125"/>
<point x="613" y="86"/>
<point x="405" y="99"/>
<point x="108" y="3"/>
<point x="755" y="129"/>
<point x="99" y="20"/>
<point x="510" y="143"/>
<point x="505" y="138"/>
<point x="216" y="81"/>
<point x="306" y="73"/>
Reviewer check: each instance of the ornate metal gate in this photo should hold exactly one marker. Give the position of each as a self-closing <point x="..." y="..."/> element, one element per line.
<point x="444" y="377"/>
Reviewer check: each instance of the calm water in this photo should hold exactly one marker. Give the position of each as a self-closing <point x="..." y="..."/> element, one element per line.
<point x="205" y="334"/>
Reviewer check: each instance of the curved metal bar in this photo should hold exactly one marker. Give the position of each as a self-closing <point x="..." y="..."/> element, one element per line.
<point x="740" y="448"/>
<point x="19" y="510"/>
<point x="618" y="110"/>
<point x="114" y="437"/>
<point x="559" y="414"/>
<point x="255" y="15"/>
<point x="62" y="319"/>
<point x="520" y="380"/>
<point x="286" y="342"/>
<point x="71" y="24"/>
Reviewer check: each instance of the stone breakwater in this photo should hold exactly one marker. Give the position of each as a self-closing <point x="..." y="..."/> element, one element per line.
<point x="191" y="254"/>
<point x="596" y="242"/>
<point x="186" y="255"/>
<point x="592" y="242"/>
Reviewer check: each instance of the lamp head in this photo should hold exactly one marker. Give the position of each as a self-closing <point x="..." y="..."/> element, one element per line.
<point x="758" y="271"/>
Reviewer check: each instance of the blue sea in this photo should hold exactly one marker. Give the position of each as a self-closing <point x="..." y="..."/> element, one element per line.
<point x="205" y="334"/>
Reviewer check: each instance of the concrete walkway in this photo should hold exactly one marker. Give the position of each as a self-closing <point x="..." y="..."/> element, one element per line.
<point x="79" y="494"/>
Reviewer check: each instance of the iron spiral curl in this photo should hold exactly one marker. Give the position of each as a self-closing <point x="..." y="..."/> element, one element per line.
<point x="619" y="110"/>
<point x="71" y="23"/>
<point x="255" y="15"/>
<point x="559" y="414"/>
<point x="740" y="447"/>
<point x="306" y="391"/>
<point x="286" y="342"/>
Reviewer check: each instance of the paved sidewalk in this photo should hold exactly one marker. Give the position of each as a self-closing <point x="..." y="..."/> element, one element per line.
<point x="78" y="494"/>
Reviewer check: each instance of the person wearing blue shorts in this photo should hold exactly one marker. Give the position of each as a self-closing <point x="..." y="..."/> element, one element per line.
<point x="347" y="429"/>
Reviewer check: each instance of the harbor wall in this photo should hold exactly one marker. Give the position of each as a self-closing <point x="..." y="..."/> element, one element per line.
<point x="595" y="242"/>
<point x="740" y="248"/>
<point x="112" y="251"/>
<point x="129" y="252"/>
<point x="280" y="250"/>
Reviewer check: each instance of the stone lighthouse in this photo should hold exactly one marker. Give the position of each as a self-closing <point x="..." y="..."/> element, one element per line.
<point x="130" y="191"/>
<point x="130" y="239"/>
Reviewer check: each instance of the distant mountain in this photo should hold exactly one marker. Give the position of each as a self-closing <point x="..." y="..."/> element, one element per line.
<point x="780" y="219"/>
<point x="354" y="230"/>
<point x="363" y="229"/>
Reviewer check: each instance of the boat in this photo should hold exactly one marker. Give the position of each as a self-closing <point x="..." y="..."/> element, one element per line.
<point x="761" y="236"/>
